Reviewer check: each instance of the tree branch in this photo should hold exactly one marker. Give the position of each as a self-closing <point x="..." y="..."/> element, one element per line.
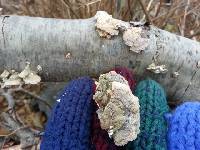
<point x="47" y="41"/>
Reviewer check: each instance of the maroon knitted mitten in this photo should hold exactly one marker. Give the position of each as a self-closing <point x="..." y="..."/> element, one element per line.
<point x="128" y="75"/>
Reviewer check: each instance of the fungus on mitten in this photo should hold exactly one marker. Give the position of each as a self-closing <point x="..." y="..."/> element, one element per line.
<point x="118" y="108"/>
<point x="69" y="124"/>
<point x="184" y="127"/>
<point x="153" y="106"/>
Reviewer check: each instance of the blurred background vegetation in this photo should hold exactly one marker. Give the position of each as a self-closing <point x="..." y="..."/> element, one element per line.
<point x="181" y="17"/>
<point x="178" y="16"/>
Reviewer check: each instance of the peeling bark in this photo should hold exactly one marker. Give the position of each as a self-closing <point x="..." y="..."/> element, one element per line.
<point x="46" y="42"/>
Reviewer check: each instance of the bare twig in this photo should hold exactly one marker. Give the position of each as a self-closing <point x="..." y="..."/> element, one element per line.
<point x="8" y="95"/>
<point x="36" y="97"/>
<point x="145" y="11"/>
<point x="148" y="7"/>
<point x="9" y="98"/>
<point x="158" y="10"/>
<point x="184" y="18"/>
<point x="194" y="34"/>
<point x="26" y="135"/>
<point x="69" y="6"/>
<point x="188" y="12"/>
<point x="13" y="132"/>
<point x="129" y="9"/>
<point x="90" y="2"/>
<point x="2" y="142"/>
<point x="170" y="12"/>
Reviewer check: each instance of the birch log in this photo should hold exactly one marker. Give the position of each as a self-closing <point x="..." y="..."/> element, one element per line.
<point x="68" y="49"/>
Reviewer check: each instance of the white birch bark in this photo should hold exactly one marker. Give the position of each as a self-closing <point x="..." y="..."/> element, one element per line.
<point x="47" y="42"/>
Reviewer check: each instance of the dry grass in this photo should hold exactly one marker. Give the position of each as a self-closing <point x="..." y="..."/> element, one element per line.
<point x="179" y="16"/>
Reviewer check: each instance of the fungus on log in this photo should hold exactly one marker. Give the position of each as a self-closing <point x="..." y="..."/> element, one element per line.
<point x="47" y="41"/>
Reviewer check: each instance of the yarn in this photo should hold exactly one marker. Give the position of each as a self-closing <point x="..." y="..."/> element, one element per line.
<point x="69" y="128"/>
<point x="184" y="127"/>
<point x="127" y="74"/>
<point x="153" y="106"/>
<point x="100" y="138"/>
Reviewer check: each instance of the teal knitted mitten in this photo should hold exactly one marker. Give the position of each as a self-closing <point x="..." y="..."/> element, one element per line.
<point x="153" y="106"/>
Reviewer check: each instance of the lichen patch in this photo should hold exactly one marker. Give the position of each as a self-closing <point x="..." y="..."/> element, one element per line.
<point x="118" y="108"/>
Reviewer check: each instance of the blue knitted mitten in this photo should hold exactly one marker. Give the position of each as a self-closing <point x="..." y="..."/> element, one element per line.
<point x="68" y="128"/>
<point x="184" y="127"/>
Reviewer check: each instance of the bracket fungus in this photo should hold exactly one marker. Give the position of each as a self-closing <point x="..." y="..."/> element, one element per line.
<point x="118" y="108"/>
<point x="29" y="76"/>
<point x="133" y="38"/>
<point x="107" y="27"/>
<point x="32" y="78"/>
<point x="5" y="74"/>
<point x="157" y="69"/>
<point x="13" y="78"/>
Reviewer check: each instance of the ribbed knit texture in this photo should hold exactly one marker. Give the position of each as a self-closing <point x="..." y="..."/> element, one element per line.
<point x="184" y="127"/>
<point x="69" y="128"/>
<point x="100" y="137"/>
<point x="153" y="106"/>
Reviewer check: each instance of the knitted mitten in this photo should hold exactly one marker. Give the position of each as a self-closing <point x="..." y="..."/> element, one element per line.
<point x="69" y="125"/>
<point x="127" y="74"/>
<point x="184" y="127"/>
<point x="100" y="137"/>
<point x="153" y="105"/>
